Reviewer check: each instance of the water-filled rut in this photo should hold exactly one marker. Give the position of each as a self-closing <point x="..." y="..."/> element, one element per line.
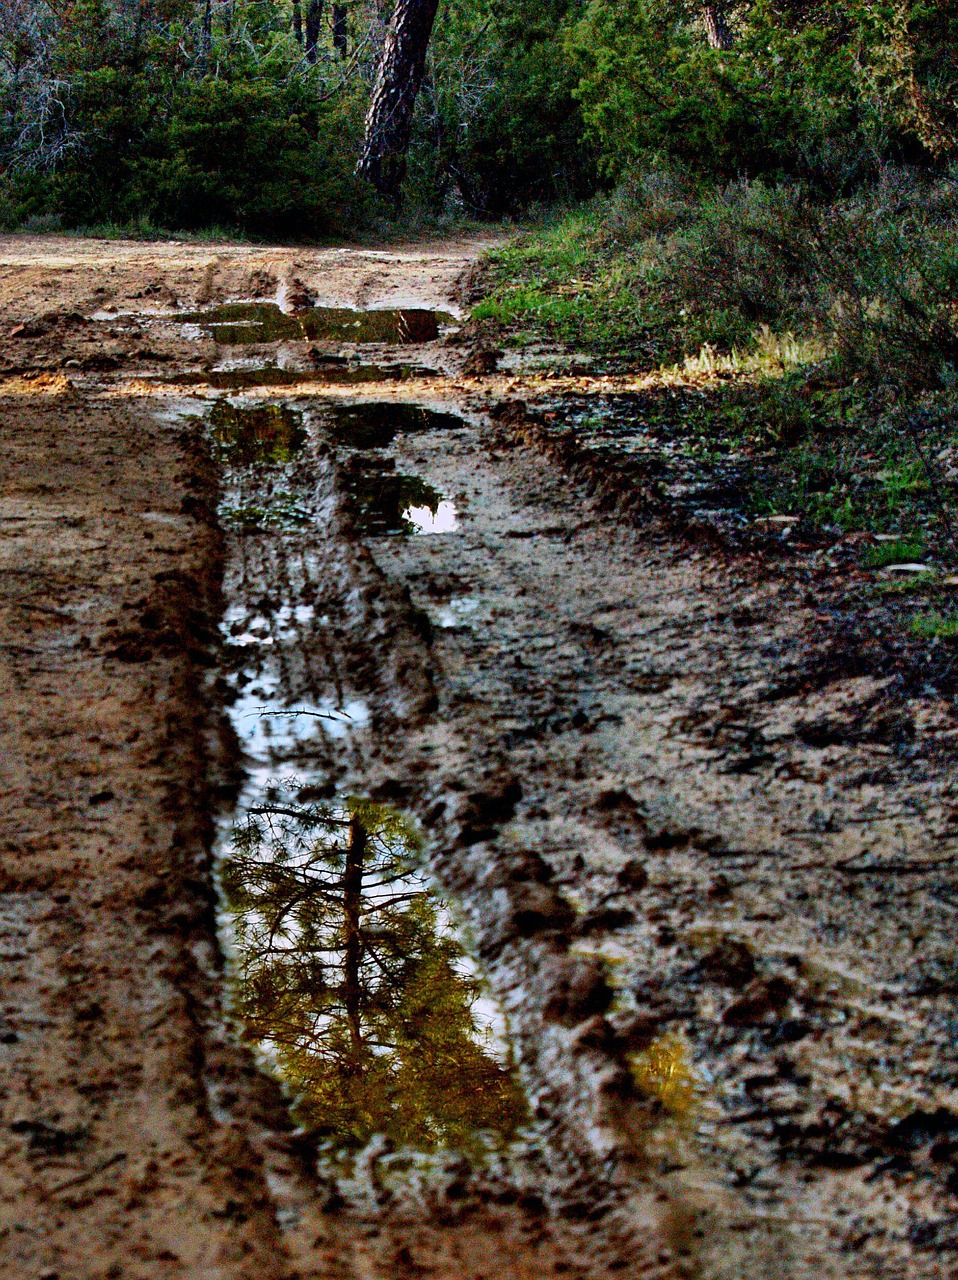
<point x="357" y="965"/>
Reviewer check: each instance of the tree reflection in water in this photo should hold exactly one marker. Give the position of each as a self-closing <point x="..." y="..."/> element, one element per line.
<point x="350" y="979"/>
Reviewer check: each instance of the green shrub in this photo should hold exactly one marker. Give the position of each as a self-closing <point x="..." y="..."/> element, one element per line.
<point x="825" y="93"/>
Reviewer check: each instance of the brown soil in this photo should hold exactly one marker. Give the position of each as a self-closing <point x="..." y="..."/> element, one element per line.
<point x="673" y="828"/>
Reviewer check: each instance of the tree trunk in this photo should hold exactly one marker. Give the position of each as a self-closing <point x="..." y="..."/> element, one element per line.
<point x="717" y="30"/>
<point x="298" y="22"/>
<point x="352" y="907"/>
<point x="314" y="14"/>
<point x="229" y="13"/>
<point x="389" y="119"/>
<point x="206" y="35"/>
<point x="339" y="30"/>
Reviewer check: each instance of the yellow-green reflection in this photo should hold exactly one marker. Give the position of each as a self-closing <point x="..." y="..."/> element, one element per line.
<point x="247" y="434"/>
<point x="240" y="322"/>
<point x="664" y="1071"/>
<point x="349" y="977"/>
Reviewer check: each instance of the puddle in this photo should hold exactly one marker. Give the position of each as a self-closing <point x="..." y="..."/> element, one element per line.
<point x="243" y="435"/>
<point x="460" y="611"/>
<point x="242" y="322"/>
<point x="426" y="520"/>
<point x="246" y="322"/>
<point x="281" y="510"/>
<point x="350" y="980"/>
<point x="375" y="426"/>
<point x="382" y="500"/>
<point x="348" y="974"/>
<point x="337" y="373"/>
<point x="407" y="325"/>
<point x="255" y="443"/>
<point x="387" y="502"/>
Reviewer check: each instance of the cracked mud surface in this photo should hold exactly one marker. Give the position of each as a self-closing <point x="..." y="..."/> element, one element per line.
<point x="670" y="830"/>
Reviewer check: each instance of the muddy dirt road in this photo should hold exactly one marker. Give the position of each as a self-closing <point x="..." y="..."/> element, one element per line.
<point x="588" y="918"/>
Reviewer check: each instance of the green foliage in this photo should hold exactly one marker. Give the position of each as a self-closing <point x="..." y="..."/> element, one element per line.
<point x="667" y="265"/>
<point x="252" y="155"/>
<point x="498" y="125"/>
<point x="649" y="84"/>
<point x="823" y="333"/>
<point x="111" y="116"/>
<point x="151" y="131"/>
<point x="822" y="92"/>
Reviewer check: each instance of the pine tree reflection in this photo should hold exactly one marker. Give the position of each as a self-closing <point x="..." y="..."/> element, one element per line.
<point x="350" y="979"/>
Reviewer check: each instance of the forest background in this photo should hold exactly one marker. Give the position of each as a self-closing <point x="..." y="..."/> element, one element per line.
<point x="248" y="114"/>
<point x="768" y="189"/>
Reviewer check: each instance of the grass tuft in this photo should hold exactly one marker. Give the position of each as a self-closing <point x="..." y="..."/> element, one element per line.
<point x="935" y="625"/>
<point x="891" y="553"/>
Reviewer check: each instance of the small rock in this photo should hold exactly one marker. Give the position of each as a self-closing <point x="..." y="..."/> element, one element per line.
<point x="482" y="362"/>
<point x="604" y="920"/>
<point x="730" y="963"/>
<point x="612" y="798"/>
<point x="762" y="997"/>
<point x="633" y="875"/>
<point x="537" y="908"/>
<point x="721" y="887"/>
<point x="580" y="990"/>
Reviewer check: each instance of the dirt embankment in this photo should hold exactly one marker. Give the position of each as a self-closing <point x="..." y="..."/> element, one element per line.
<point x="671" y="833"/>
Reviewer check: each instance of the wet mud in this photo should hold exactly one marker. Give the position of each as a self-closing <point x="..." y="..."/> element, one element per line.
<point x="427" y="859"/>
<point x="325" y="371"/>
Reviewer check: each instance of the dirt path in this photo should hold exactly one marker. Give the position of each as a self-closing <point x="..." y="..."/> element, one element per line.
<point x="710" y="882"/>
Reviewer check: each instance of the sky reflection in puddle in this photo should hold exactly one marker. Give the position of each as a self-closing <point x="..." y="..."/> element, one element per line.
<point x="426" y="520"/>
<point x="460" y="611"/>
<point x="387" y="502"/>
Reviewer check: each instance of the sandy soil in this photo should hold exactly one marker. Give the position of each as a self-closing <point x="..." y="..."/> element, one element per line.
<point x="667" y="825"/>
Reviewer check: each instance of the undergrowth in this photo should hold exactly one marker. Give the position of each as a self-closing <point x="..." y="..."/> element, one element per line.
<point x="822" y="333"/>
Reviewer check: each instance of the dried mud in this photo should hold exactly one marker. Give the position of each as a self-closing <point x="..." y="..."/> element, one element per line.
<point x="709" y="876"/>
